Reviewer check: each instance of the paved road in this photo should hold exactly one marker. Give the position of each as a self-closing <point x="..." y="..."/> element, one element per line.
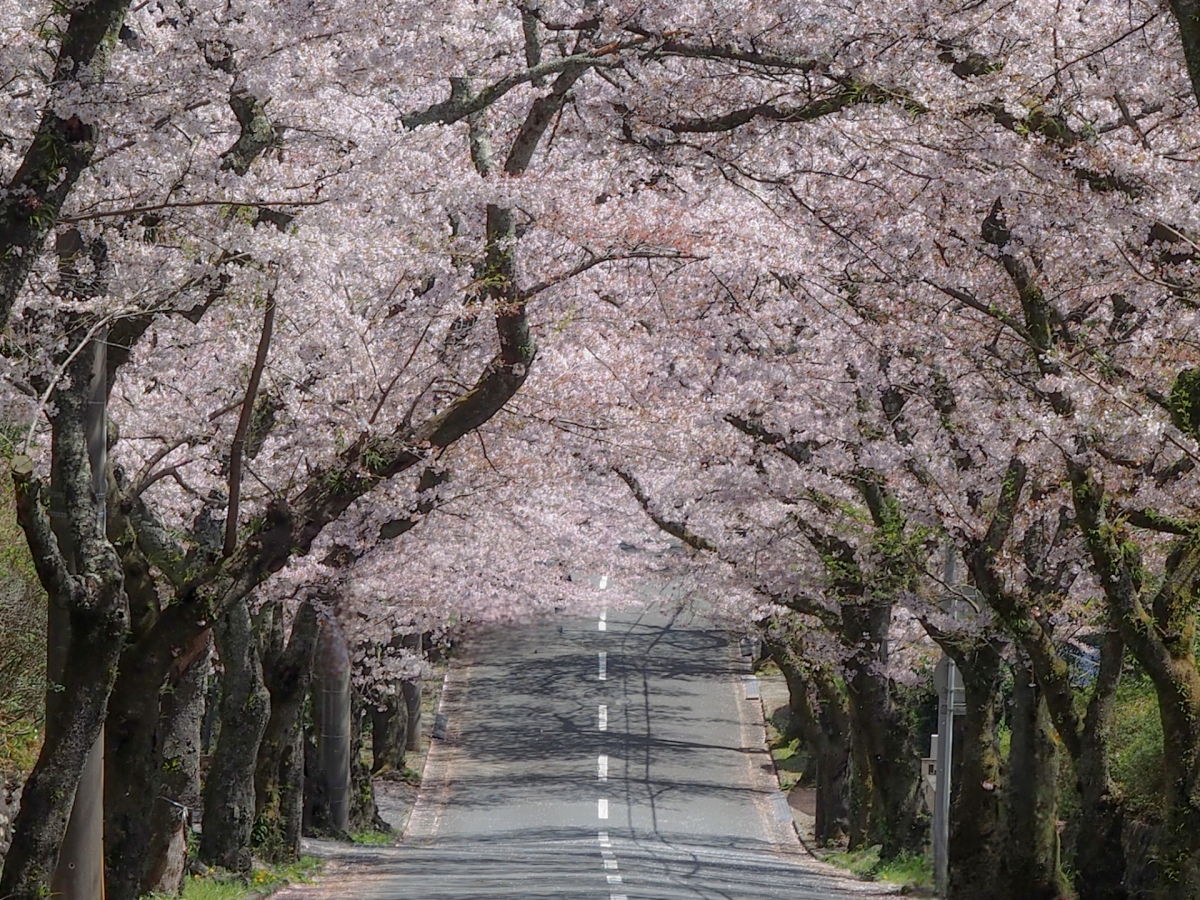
<point x="607" y="759"/>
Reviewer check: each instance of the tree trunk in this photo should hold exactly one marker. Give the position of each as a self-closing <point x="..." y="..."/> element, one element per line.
<point x="245" y="707"/>
<point x="821" y="720"/>
<point x="412" y="704"/>
<point x="883" y="735"/>
<point x="332" y="723"/>
<point x="83" y="579"/>
<point x="210" y="726"/>
<point x="1099" y="853"/>
<point x="364" y="813"/>
<point x="833" y="759"/>
<point x="973" y="850"/>
<point x="1178" y="692"/>
<point x="178" y="793"/>
<point x="389" y="735"/>
<point x="47" y="796"/>
<point x="279" y="771"/>
<point x="858" y="832"/>
<point x="79" y="870"/>
<point x="135" y="735"/>
<point x="1030" y="865"/>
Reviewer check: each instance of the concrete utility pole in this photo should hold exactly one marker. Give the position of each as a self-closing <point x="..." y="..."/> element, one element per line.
<point x="331" y="692"/>
<point x="951" y="702"/>
<point x="79" y="874"/>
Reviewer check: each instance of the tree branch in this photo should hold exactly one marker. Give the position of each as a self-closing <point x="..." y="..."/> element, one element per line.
<point x="850" y="93"/>
<point x="238" y="446"/>
<point x="799" y="452"/>
<point x="59" y="151"/>
<point x="48" y="561"/>
<point x="674" y="528"/>
<point x="461" y="105"/>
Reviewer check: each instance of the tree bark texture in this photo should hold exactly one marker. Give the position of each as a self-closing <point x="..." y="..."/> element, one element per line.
<point x="141" y="721"/>
<point x="178" y="795"/>
<point x="1155" y="616"/>
<point x="364" y="813"/>
<point x="819" y="713"/>
<point x="882" y="734"/>
<point x="389" y="734"/>
<point x="1030" y="866"/>
<point x="94" y="603"/>
<point x="1099" y="855"/>
<point x="279" y="771"/>
<point x="973" y="853"/>
<point x="245" y="706"/>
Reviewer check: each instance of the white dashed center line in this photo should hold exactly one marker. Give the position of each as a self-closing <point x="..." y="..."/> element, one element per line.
<point x="602" y="718"/>
<point x="614" y="879"/>
<point x="602" y="767"/>
<point x="603" y="666"/>
<point x="603" y="623"/>
<point x="602" y="808"/>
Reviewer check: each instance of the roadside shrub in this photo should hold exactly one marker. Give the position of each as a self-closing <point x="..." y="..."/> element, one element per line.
<point x="22" y="646"/>
<point x="1137" y="742"/>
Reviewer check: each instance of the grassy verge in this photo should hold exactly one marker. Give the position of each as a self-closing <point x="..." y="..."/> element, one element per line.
<point x="263" y="882"/>
<point x="914" y="872"/>
<point x="790" y="762"/>
<point x="373" y="838"/>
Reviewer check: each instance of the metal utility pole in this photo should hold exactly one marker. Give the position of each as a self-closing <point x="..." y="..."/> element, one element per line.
<point x="79" y="874"/>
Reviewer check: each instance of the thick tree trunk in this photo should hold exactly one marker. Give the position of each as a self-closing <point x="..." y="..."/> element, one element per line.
<point x="1178" y="690"/>
<point x="245" y="707"/>
<point x="859" y="830"/>
<point x="332" y="724"/>
<point x="46" y="799"/>
<point x="364" y="813"/>
<point x="279" y="771"/>
<point x="1099" y="853"/>
<point x="389" y="734"/>
<point x="84" y="580"/>
<point x="178" y="794"/>
<point x="821" y="720"/>
<point x="882" y="733"/>
<point x="1030" y="865"/>
<point x="210" y="726"/>
<point x="411" y="691"/>
<point x="135" y="736"/>
<point x="974" y="848"/>
<point x="833" y="759"/>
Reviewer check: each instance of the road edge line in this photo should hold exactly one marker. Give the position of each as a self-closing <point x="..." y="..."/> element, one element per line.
<point x="435" y="770"/>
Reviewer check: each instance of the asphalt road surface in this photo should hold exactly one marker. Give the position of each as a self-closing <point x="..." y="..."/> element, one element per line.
<point x="607" y="759"/>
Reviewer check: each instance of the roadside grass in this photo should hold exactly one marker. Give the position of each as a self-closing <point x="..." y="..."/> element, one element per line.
<point x="912" y="871"/>
<point x="790" y="762"/>
<point x="20" y="742"/>
<point x="372" y="838"/>
<point x="263" y="882"/>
